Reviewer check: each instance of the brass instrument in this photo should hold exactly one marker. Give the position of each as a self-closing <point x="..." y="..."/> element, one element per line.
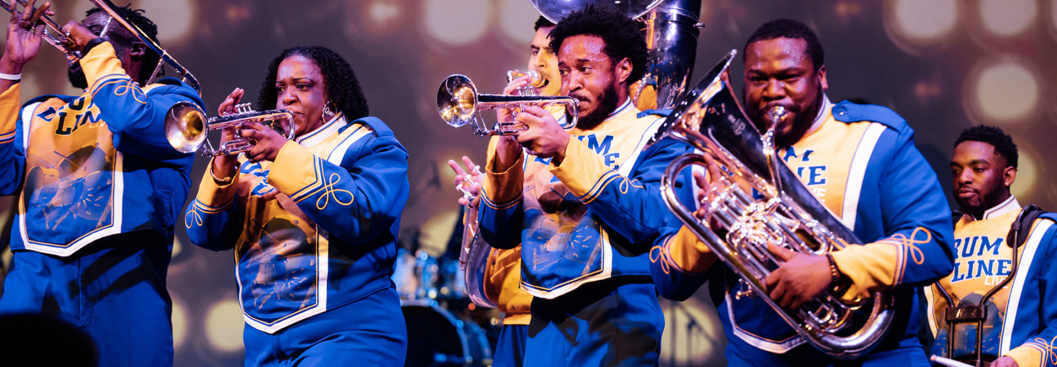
<point x="53" y="34"/>
<point x="459" y="104"/>
<point x="710" y="119"/>
<point x="671" y="28"/>
<point x="165" y="59"/>
<point x="184" y="121"/>
<point x="473" y="254"/>
<point x="189" y="132"/>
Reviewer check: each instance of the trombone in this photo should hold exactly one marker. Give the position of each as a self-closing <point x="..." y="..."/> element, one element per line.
<point x="458" y="104"/>
<point x="185" y="122"/>
<point x="165" y="59"/>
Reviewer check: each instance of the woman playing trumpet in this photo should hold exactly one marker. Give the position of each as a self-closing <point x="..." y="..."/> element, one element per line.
<point x="312" y="221"/>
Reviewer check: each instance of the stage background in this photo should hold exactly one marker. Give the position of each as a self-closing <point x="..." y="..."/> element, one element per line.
<point x="944" y="65"/>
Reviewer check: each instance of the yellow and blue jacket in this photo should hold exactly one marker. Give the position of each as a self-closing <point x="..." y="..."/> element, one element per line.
<point x="593" y="217"/>
<point x="861" y="163"/>
<point x="1021" y="317"/>
<point x="313" y="230"/>
<point x="96" y="165"/>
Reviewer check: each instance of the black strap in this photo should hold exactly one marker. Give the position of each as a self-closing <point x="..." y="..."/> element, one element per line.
<point x="1018" y="232"/>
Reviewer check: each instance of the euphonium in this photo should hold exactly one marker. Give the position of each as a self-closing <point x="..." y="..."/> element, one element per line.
<point x="458" y="104"/>
<point x="710" y="119"/>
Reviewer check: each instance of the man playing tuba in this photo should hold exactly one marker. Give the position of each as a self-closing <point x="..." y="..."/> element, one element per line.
<point x="861" y="163"/>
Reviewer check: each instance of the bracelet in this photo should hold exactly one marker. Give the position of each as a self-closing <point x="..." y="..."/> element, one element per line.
<point x="12" y="77"/>
<point x="220" y="182"/>
<point x="833" y="271"/>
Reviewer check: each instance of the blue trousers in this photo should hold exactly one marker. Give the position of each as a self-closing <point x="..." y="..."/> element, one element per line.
<point x="114" y="290"/>
<point x="510" y="348"/>
<point x="908" y="356"/>
<point x="605" y="323"/>
<point x="367" y="332"/>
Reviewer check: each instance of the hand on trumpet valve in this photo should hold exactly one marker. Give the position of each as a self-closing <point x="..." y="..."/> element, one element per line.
<point x="77" y="36"/>
<point x="24" y="33"/>
<point x="469" y="184"/>
<point x="228" y="106"/>
<point x="507" y="117"/>
<point x="267" y="142"/>
<point x="544" y="137"/>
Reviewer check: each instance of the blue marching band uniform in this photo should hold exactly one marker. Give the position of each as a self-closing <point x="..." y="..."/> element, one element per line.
<point x="100" y="189"/>
<point x="888" y="194"/>
<point x="314" y="236"/>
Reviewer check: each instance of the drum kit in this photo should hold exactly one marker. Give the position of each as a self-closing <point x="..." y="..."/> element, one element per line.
<point x="444" y="328"/>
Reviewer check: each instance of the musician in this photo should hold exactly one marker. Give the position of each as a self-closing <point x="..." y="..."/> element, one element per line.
<point x="100" y="187"/>
<point x="1021" y="316"/>
<point x="585" y="205"/>
<point x="312" y="221"/>
<point x="861" y="163"/>
<point x="503" y="272"/>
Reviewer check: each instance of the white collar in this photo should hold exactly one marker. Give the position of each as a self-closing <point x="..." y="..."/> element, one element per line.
<point x="320" y="133"/>
<point x="621" y="108"/>
<point x="1010" y="205"/>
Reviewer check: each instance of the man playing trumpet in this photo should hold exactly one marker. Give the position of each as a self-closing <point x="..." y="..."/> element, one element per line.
<point x="503" y="272"/>
<point x="99" y="185"/>
<point x="584" y="205"/>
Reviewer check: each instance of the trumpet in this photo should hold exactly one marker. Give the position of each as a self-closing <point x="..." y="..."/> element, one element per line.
<point x="53" y="34"/>
<point x="188" y="131"/>
<point x="184" y="121"/>
<point x="710" y="119"/>
<point x="459" y="104"/>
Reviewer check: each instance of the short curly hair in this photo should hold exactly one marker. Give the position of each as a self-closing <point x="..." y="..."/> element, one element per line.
<point x="136" y="17"/>
<point x="787" y="28"/>
<point x="339" y="81"/>
<point x="1003" y="143"/>
<point x="622" y="35"/>
<point x="542" y="23"/>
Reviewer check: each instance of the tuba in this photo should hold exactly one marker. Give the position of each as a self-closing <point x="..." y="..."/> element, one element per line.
<point x="710" y="119"/>
<point x="671" y="28"/>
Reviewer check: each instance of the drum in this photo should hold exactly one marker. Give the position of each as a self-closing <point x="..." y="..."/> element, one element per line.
<point x="416" y="276"/>
<point x="435" y="337"/>
<point x="453" y="280"/>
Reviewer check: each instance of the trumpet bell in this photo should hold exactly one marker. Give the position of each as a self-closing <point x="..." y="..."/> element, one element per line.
<point x="185" y="127"/>
<point x="457" y="100"/>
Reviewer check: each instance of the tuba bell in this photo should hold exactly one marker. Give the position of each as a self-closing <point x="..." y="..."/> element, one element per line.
<point x="710" y="119"/>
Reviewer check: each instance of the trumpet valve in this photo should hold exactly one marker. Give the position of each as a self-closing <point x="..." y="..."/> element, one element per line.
<point x="243" y="108"/>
